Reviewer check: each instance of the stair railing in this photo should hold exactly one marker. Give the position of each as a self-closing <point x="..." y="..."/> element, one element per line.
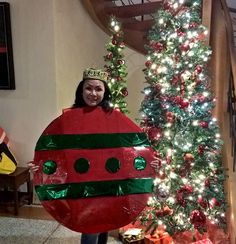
<point x="232" y="81"/>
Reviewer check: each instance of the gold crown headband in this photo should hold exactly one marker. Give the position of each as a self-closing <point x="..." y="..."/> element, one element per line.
<point x="95" y="74"/>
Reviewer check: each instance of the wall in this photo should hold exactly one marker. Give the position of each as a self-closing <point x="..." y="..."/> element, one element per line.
<point x="26" y="110"/>
<point x="53" y="41"/>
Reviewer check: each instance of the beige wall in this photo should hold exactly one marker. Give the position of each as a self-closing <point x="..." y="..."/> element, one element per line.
<point x="53" y="41"/>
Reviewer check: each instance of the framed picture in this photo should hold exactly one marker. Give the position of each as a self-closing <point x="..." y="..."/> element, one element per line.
<point x="7" y="77"/>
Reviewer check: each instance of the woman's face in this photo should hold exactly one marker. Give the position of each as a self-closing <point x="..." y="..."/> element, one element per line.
<point x="93" y="92"/>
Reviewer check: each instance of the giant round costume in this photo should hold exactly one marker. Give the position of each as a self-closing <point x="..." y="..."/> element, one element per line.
<point x="94" y="169"/>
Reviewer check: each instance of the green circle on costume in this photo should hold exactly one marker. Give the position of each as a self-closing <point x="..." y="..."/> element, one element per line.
<point x="82" y="165"/>
<point x="49" y="167"/>
<point x="140" y="163"/>
<point x="112" y="165"/>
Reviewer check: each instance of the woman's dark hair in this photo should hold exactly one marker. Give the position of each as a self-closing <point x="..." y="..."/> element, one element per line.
<point x="79" y="101"/>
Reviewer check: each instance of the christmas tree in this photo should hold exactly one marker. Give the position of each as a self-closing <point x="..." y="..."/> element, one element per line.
<point x="116" y="67"/>
<point x="177" y="117"/>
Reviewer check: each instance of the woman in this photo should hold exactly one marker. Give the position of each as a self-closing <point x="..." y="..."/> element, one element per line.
<point x="92" y="91"/>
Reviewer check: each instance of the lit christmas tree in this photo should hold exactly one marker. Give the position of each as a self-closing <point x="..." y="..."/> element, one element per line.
<point x="177" y="116"/>
<point x="116" y="66"/>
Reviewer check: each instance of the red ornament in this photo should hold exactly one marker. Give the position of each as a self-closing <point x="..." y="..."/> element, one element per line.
<point x="148" y="63"/>
<point x="177" y="100"/>
<point x="203" y="202"/>
<point x="207" y="183"/>
<point x="75" y="159"/>
<point x="198" y="219"/>
<point x="109" y="56"/>
<point x="193" y="25"/>
<point x="176" y="58"/>
<point x="124" y="92"/>
<point x="120" y="61"/>
<point x="154" y="134"/>
<point x="175" y="80"/>
<point x="201" y="36"/>
<point x="122" y="44"/>
<point x="116" y="36"/>
<point x="170" y="117"/>
<point x="198" y="69"/>
<point x="182" y="193"/>
<point x="198" y="82"/>
<point x="201" y="98"/>
<point x="184" y="47"/>
<point x="161" y="175"/>
<point x="163" y="212"/>
<point x="214" y="202"/>
<point x="114" y="42"/>
<point x="166" y="5"/>
<point x="187" y="188"/>
<point x="185" y="170"/>
<point x="184" y="103"/>
<point x="157" y="46"/>
<point x="157" y="87"/>
<point x="180" y="33"/>
<point x="188" y="157"/>
<point x="204" y="124"/>
<point x="201" y="149"/>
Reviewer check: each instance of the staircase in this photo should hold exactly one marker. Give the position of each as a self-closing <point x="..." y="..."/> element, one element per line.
<point x="136" y="17"/>
<point x="233" y="18"/>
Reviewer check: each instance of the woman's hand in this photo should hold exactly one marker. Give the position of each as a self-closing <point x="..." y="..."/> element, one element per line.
<point x="33" y="167"/>
<point x="156" y="164"/>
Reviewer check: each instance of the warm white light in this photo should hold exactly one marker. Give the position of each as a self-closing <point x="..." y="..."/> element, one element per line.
<point x="116" y="28"/>
<point x="153" y="66"/>
<point x="171" y="200"/>
<point x="147" y="91"/>
<point x="214" y="119"/>
<point x="185" y="181"/>
<point x="195" y="123"/>
<point x="173" y="175"/>
<point x="161" y="21"/>
<point x="150" y="201"/>
<point x="113" y="22"/>
<point x="190" y="53"/>
<point x="157" y="181"/>
<point x="198" y="181"/>
<point x="176" y="5"/>
<point x="167" y="133"/>
<point x="211" y="165"/>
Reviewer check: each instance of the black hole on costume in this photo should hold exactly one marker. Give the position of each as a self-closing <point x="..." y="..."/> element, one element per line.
<point x="112" y="165"/>
<point x="82" y="165"/>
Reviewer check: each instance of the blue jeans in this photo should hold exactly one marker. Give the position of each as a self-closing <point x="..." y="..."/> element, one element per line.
<point x="98" y="238"/>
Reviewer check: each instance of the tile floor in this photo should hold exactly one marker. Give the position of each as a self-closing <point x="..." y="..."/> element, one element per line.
<point x="35" y="225"/>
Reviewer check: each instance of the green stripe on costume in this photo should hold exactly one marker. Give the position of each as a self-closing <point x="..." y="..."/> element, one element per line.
<point x="91" y="141"/>
<point x="94" y="189"/>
